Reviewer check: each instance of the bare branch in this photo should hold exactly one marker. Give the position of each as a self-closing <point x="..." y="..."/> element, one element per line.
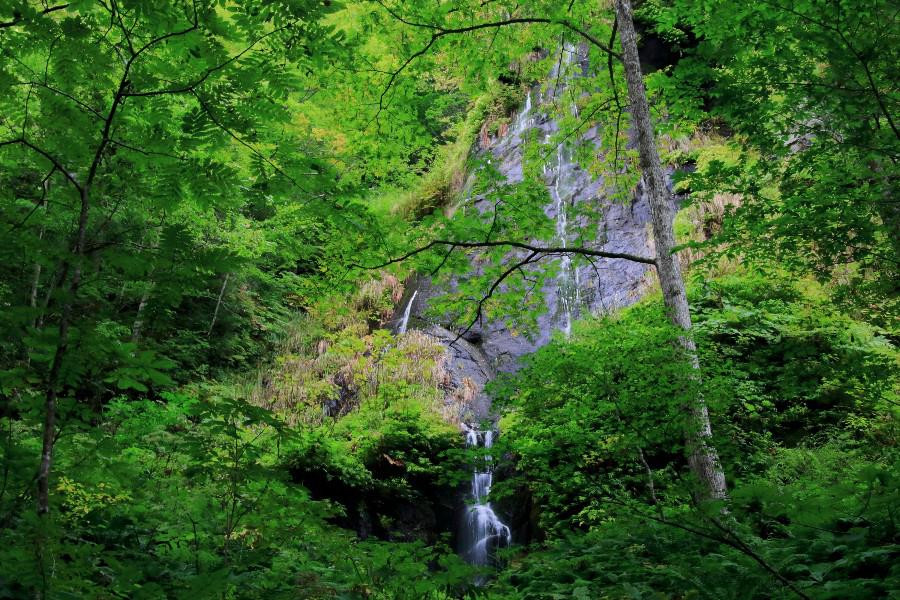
<point x="20" y="19"/>
<point x="81" y="105"/>
<point x="190" y="87"/>
<point x="121" y="95"/>
<point x="53" y="160"/>
<point x="38" y="204"/>
<point x="442" y="31"/>
<point x="533" y="257"/>
<point x="238" y="139"/>
<point x="439" y="32"/>
<point x="143" y="151"/>
<point x="437" y="269"/>
<point x="609" y="63"/>
<point x="117" y="15"/>
<point x="513" y="244"/>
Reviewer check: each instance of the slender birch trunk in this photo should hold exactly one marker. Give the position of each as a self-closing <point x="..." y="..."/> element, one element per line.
<point x="36" y="278"/>
<point x="35" y="283"/>
<point x="702" y="455"/>
<point x="215" y="316"/>
<point x="138" y="325"/>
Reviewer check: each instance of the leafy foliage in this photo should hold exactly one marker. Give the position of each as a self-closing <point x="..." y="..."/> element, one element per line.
<point x="803" y="409"/>
<point x="190" y="194"/>
<point x="814" y="109"/>
<point x="189" y="497"/>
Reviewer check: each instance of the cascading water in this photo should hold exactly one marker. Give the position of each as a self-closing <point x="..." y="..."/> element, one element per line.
<point x="523" y="119"/>
<point x="568" y="280"/>
<point x="483" y="532"/>
<point x="562" y="177"/>
<point x="404" y="322"/>
<point x="579" y="206"/>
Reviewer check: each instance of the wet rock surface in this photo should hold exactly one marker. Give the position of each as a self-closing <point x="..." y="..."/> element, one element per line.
<point x="580" y="289"/>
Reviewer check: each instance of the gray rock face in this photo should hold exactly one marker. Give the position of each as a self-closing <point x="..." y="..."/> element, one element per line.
<point x="468" y="367"/>
<point x="579" y="290"/>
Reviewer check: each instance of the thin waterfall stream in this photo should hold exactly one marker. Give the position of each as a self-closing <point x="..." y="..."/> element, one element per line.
<point x="562" y="181"/>
<point x="568" y="280"/>
<point x="523" y="119"/>
<point x="404" y="322"/>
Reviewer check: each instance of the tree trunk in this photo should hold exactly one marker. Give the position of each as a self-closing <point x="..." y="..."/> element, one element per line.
<point x="35" y="283"/>
<point x="138" y="325"/>
<point x="218" y="305"/>
<point x="36" y="278"/>
<point x="62" y="345"/>
<point x="702" y="456"/>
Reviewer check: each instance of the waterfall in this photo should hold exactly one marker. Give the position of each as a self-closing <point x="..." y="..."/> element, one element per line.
<point x="483" y="532"/>
<point x="523" y="119"/>
<point x="579" y="206"/>
<point x="562" y="178"/>
<point x="404" y="322"/>
<point x="566" y="285"/>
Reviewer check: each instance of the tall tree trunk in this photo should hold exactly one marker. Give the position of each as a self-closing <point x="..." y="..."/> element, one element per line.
<point x="35" y="283"/>
<point x="215" y="316"/>
<point x="77" y="256"/>
<point x="138" y="325"/>
<point x="702" y="455"/>
<point x="62" y="345"/>
<point x="36" y="277"/>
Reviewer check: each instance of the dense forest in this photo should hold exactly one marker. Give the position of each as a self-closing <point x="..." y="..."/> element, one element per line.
<point x="435" y="299"/>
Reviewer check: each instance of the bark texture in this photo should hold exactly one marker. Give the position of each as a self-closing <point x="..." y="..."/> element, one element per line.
<point x="702" y="456"/>
<point x="215" y="316"/>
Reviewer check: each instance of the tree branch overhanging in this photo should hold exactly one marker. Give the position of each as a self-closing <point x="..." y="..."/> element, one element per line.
<point x="539" y="250"/>
<point x="535" y="254"/>
<point x="439" y="31"/>
<point x="532" y="257"/>
<point x="20" y="19"/>
<point x="190" y="87"/>
<point x="53" y="160"/>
